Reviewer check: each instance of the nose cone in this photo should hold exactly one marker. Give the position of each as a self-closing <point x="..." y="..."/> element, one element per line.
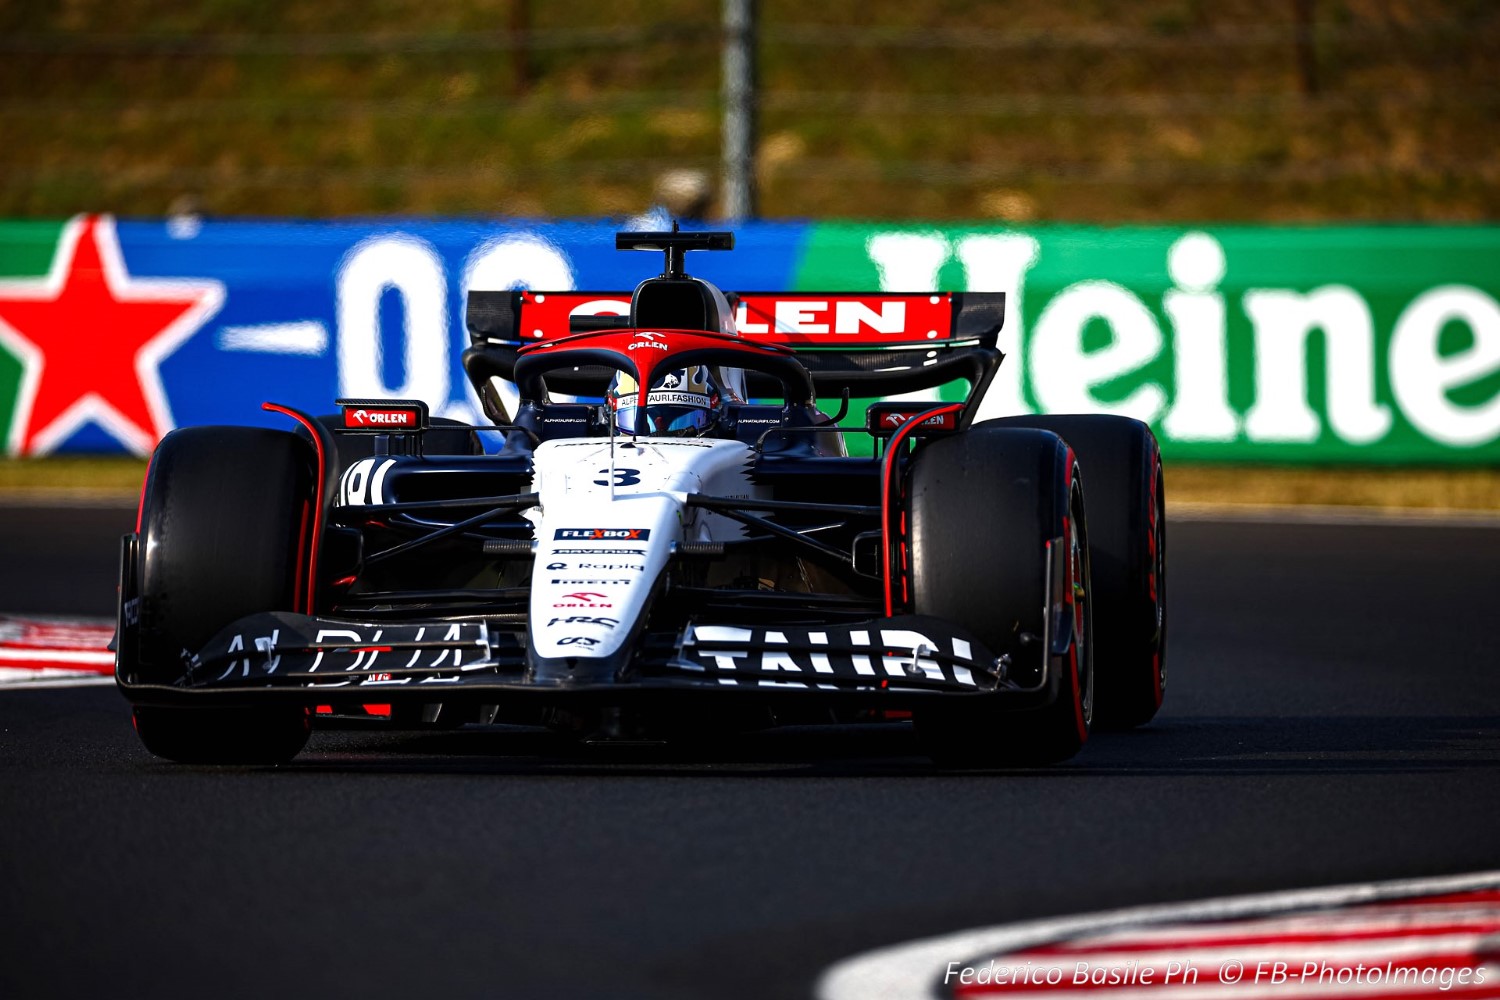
<point x="606" y="532"/>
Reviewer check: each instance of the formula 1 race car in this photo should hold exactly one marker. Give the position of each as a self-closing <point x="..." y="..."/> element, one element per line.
<point x="661" y="534"/>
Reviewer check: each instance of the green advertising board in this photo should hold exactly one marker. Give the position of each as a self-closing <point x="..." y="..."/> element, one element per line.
<point x="1276" y="344"/>
<point x="26" y="251"/>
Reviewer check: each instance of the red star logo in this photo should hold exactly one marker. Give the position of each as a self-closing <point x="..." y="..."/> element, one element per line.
<point x="91" y="340"/>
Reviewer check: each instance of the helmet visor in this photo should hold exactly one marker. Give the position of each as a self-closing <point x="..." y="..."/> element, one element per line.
<point x="663" y="419"/>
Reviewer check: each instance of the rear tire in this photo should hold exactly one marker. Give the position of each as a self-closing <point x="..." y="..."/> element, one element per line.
<point x="224" y="518"/>
<point x="1122" y="468"/>
<point x="986" y="506"/>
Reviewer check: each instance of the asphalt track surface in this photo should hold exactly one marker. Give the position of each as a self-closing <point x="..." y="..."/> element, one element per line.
<point x="1333" y="716"/>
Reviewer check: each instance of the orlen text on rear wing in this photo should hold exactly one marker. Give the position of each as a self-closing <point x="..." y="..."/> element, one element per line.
<point x="872" y="344"/>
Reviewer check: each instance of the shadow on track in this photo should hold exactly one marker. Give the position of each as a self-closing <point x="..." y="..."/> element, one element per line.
<point x="1227" y="747"/>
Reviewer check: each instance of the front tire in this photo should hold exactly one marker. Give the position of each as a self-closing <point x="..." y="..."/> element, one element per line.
<point x="1121" y="463"/>
<point x="989" y="509"/>
<point x="222" y="735"/>
<point x="224" y="522"/>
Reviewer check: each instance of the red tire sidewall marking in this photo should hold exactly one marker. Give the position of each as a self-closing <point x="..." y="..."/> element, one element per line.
<point x="1068" y="591"/>
<point x="1154" y="541"/>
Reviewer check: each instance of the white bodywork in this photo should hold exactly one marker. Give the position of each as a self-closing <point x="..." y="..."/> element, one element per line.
<point x="606" y="527"/>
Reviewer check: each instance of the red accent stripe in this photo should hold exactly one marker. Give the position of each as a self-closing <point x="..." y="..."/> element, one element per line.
<point x="1069" y="603"/>
<point x="84" y="643"/>
<point x="888" y="464"/>
<point x="102" y="669"/>
<point x="381" y="710"/>
<point x="1155" y="541"/>
<point x="311" y="552"/>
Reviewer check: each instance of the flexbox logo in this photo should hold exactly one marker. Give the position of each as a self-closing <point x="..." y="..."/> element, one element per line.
<point x="603" y="534"/>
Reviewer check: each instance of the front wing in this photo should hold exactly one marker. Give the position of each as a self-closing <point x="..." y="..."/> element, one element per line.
<point x="324" y="660"/>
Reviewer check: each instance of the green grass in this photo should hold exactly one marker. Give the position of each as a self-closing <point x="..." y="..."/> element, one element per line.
<point x="1448" y="489"/>
<point x="85" y="475"/>
<point x="1030" y="110"/>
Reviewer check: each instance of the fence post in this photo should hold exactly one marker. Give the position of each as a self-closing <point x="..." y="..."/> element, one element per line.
<point x="1306" y="42"/>
<point x="739" y="110"/>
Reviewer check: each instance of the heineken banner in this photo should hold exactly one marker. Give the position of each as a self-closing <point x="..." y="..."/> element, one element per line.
<point x="1326" y="344"/>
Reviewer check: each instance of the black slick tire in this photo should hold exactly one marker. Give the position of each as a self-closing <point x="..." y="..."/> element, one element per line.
<point x="1122" y="469"/>
<point x="989" y="509"/>
<point x="224" y="516"/>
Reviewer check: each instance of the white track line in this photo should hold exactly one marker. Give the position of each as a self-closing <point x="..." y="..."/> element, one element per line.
<point x="80" y="680"/>
<point x="909" y="971"/>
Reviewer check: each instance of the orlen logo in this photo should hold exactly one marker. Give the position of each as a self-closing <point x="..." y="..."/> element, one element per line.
<point x="857" y="315"/>
<point x="648" y="340"/>
<point x="604" y="534"/>
<point x="584" y="599"/>
<point x="379" y="418"/>
<point x="944" y="421"/>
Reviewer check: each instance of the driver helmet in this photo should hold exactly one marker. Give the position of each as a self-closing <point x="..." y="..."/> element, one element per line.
<point x="683" y="402"/>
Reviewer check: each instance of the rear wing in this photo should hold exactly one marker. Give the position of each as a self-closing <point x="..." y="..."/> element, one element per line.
<point x="871" y="344"/>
